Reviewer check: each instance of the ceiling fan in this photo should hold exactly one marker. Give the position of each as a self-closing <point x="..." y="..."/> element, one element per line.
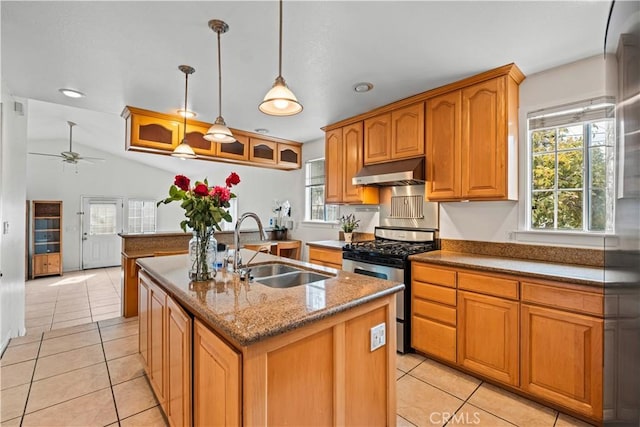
<point x="71" y="156"/>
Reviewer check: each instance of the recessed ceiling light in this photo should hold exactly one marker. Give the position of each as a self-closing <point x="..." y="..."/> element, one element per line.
<point x="71" y="93"/>
<point x="188" y="114"/>
<point x="362" y="87"/>
<point x="262" y="130"/>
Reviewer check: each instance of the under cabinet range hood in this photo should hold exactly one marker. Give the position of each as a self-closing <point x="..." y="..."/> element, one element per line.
<point x="399" y="172"/>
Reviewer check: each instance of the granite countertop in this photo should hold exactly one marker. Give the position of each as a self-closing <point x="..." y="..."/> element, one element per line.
<point x="154" y="234"/>
<point x="330" y="244"/>
<point x="584" y="275"/>
<point x="246" y="313"/>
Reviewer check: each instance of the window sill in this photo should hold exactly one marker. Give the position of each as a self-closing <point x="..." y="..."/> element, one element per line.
<point x="320" y="224"/>
<point x="565" y="238"/>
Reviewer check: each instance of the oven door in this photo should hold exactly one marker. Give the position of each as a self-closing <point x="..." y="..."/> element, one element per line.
<point x="387" y="273"/>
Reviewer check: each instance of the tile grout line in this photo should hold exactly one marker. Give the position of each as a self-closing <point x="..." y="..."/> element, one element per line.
<point x="26" y="401"/>
<point x="113" y="395"/>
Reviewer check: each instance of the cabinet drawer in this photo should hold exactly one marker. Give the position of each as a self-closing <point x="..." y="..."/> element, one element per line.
<point x="488" y="285"/>
<point x="434" y="293"/>
<point x="331" y="256"/>
<point x="433" y="338"/>
<point x="434" y="311"/>
<point x="437" y="276"/>
<point x="569" y="299"/>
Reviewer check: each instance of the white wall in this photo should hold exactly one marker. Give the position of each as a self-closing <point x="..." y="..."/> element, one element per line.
<point x="12" y="213"/>
<point x="123" y="177"/>
<point x="496" y="221"/>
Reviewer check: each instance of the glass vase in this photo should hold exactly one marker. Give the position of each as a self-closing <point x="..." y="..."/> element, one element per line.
<point x="202" y="255"/>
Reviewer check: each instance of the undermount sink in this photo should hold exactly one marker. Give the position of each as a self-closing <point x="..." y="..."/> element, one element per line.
<point x="266" y="270"/>
<point x="284" y="276"/>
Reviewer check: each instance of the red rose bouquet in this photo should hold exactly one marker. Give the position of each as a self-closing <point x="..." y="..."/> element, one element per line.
<point x="204" y="207"/>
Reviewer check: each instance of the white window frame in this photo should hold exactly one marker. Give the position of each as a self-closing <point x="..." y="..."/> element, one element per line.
<point x="307" y="197"/>
<point x="588" y="111"/>
<point x="155" y="215"/>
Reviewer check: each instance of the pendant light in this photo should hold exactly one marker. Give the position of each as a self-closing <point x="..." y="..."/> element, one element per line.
<point x="280" y="101"/>
<point x="219" y="132"/>
<point x="184" y="150"/>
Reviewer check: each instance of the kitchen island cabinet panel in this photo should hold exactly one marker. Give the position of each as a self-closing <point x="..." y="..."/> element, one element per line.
<point x="302" y="373"/>
<point x="143" y="322"/>
<point x="365" y="373"/>
<point x="217" y="380"/>
<point x="178" y="365"/>
<point x="157" y="340"/>
<point x="253" y="366"/>
<point x="488" y="336"/>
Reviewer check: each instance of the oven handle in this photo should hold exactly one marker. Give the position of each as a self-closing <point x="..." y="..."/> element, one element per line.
<point x="371" y="273"/>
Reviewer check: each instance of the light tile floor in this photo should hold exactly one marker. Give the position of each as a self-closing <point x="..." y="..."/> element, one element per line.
<point x="91" y="374"/>
<point x="75" y="298"/>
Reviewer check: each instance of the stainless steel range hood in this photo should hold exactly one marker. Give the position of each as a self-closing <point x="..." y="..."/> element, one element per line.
<point x="399" y="172"/>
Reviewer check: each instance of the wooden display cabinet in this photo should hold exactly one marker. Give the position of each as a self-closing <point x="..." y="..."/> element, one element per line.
<point x="154" y="132"/>
<point x="46" y="247"/>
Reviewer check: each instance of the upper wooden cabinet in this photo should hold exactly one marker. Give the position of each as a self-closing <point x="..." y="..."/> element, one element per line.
<point x="443" y="146"/>
<point x="262" y="151"/>
<point x="237" y="150"/>
<point x="159" y="133"/>
<point x="407" y="132"/>
<point x="377" y="139"/>
<point x="343" y="159"/>
<point x="395" y="135"/>
<point x="472" y="141"/>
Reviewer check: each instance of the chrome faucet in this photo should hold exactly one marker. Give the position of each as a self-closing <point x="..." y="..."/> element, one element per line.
<point x="237" y="263"/>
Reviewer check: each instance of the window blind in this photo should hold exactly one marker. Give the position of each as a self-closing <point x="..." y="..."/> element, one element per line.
<point x="583" y="111"/>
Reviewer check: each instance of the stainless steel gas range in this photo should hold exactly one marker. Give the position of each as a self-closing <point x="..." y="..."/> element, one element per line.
<point x="386" y="257"/>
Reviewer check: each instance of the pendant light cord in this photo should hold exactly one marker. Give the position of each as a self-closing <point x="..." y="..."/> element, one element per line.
<point x="219" y="80"/>
<point x="280" y="45"/>
<point x="186" y="86"/>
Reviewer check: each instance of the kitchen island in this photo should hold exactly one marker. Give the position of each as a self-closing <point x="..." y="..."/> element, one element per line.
<point x="264" y="355"/>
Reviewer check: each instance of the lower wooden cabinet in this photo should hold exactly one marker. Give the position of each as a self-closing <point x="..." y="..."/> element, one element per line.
<point x="488" y="336"/>
<point x="433" y="311"/>
<point x="165" y="346"/>
<point x="320" y="374"/>
<point x="143" y="322"/>
<point x="326" y="257"/>
<point x="541" y="337"/>
<point x="217" y="380"/>
<point x="44" y="265"/>
<point x="157" y="340"/>
<point x="178" y="363"/>
<point x="562" y="358"/>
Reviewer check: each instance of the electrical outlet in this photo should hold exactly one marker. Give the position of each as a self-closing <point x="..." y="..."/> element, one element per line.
<point x="378" y="336"/>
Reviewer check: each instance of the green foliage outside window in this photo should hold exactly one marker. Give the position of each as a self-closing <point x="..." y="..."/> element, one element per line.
<point x="561" y="179"/>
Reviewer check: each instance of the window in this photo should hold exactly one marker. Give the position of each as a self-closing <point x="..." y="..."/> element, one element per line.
<point x="102" y="218"/>
<point x="142" y="216"/>
<point x="571" y="176"/>
<point x="315" y="208"/>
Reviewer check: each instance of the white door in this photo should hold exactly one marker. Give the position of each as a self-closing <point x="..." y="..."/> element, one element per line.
<point x="101" y="223"/>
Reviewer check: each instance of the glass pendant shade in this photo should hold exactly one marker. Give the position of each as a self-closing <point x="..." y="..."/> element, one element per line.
<point x="184" y="151"/>
<point x="280" y="101"/>
<point x="219" y="132"/>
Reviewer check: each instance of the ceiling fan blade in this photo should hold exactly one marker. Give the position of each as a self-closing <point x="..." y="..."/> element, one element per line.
<point x="48" y="155"/>
<point x="94" y="159"/>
